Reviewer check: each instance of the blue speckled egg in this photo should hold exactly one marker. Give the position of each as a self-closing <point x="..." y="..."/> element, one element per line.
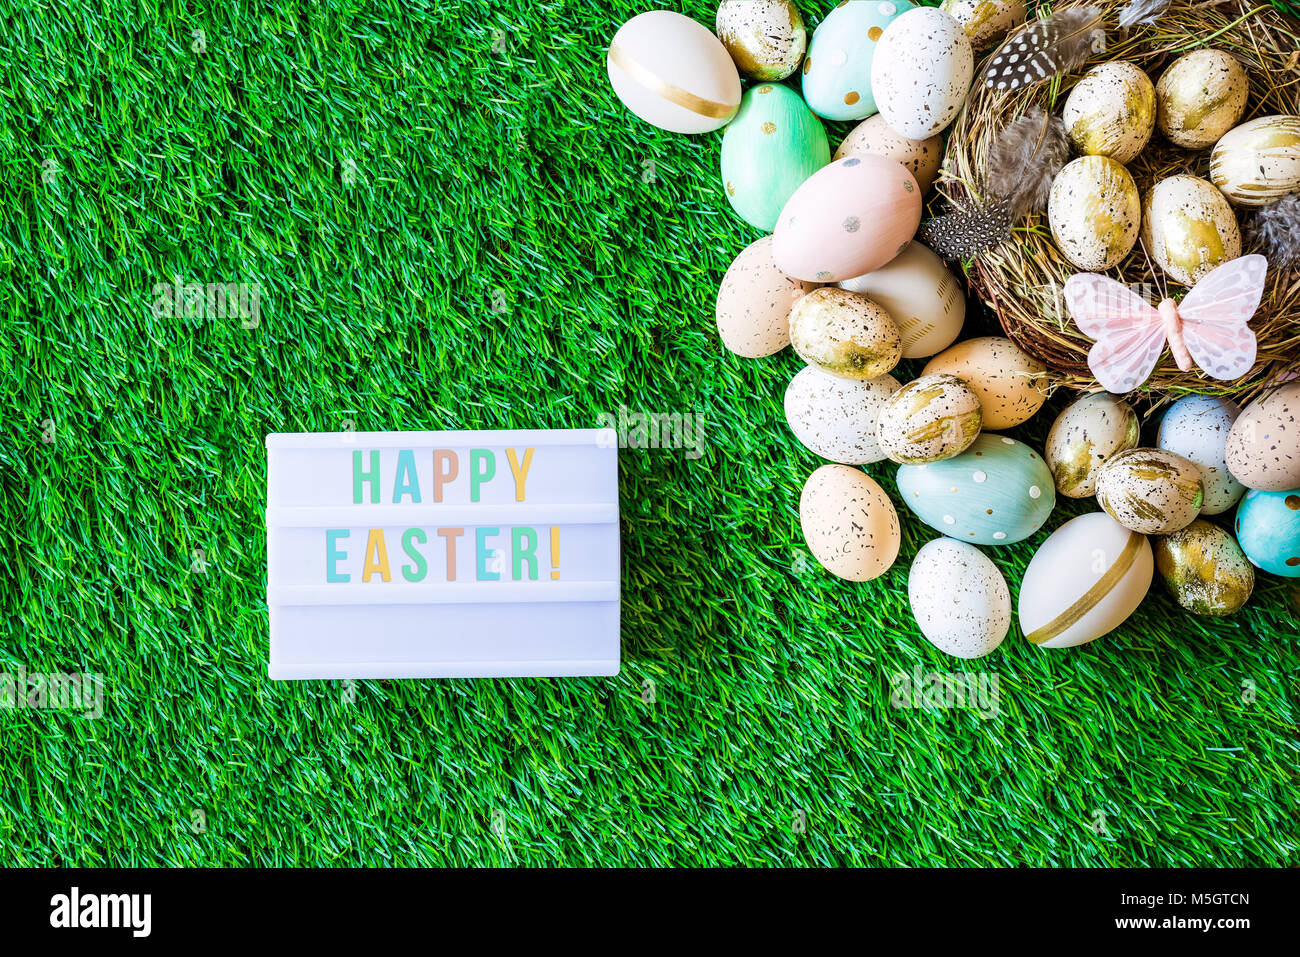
<point x="997" y="492"/>
<point x="1268" y="531"/>
<point x="837" y="69"/>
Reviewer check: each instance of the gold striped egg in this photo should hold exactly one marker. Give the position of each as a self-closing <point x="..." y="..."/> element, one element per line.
<point x="930" y="419"/>
<point x="1204" y="569"/>
<point x="1151" y="491"/>
<point x="1200" y="97"/>
<point x="845" y="334"/>
<point x="1189" y="228"/>
<point x="1094" y="211"/>
<point x="1258" y="161"/>
<point x="1111" y="111"/>
<point x="985" y="21"/>
<point x="1087" y="433"/>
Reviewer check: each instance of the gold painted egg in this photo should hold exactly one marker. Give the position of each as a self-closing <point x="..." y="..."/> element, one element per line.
<point x="985" y="21"/>
<point x="1151" y="491"/>
<point x="1111" y="111"/>
<point x="1258" y="161"/>
<point x="1189" y="228"/>
<point x="766" y="38"/>
<point x="1200" y="97"/>
<point x="1087" y="433"/>
<point x="845" y="334"/>
<point x="1094" y="212"/>
<point x="849" y="523"/>
<point x="1204" y="569"/>
<point x="873" y="137"/>
<point x="1011" y="386"/>
<point x="930" y="419"/>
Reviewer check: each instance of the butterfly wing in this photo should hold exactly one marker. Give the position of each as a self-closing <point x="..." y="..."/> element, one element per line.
<point x="1215" y="316"/>
<point x="1128" y="330"/>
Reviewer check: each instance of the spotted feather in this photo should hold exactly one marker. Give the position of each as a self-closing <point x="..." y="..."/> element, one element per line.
<point x="1059" y="44"/>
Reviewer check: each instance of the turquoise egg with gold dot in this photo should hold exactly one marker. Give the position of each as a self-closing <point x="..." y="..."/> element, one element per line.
<point x="1268" y="531"/>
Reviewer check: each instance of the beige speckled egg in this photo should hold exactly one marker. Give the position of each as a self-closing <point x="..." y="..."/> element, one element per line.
<point x="1111" y="111"/>
<point x="1011" y="386"/>
<point x="923" y="297"/>
<point x="849" y="523"/>
<point x="930" y="419"/>
<point x="754" y="302"/>
<point x="1088" y="432"/>
<point x="959" y="598"/>
<point x="845" y="334"/>
<point x="1259" y="161"/>
<point x="1263" y="450"/>
<point x="922" y="72"/>
<point x="1204" y="569"/>
<point x="873" y="137"/>
<point x="985" y="21"/>
<point x="1188" y="228"/>
<point x="1200" y="97"/>
<point x="836" y="418"/>
<point x="1151" y="491"/>
<point x="766" y="38"/>
<point x="1094" y="212"/>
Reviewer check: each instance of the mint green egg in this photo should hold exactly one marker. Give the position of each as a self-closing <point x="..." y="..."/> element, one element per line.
<point x="837" y="67"/>
<point x="997" y="492"/>
<point x="769" y="149"/>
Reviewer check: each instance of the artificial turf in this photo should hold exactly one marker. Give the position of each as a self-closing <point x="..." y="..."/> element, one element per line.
<point x="457" y="225"/>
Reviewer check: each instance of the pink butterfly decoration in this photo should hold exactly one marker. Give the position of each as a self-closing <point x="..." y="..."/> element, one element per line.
<point x="1209" y="325"/>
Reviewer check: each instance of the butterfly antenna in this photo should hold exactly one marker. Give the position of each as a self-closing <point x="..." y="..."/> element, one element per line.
<point x="1161" y="288"/>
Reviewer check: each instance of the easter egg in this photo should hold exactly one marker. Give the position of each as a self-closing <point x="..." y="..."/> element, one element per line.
<point x="931" y="418"/>
<point x="1204" y="569"/>
<point x="1200" y="97"/>
<point x="754" y="302"/>
<point x="1188" y="228"/>
<point x="1087" y="433"/>
<point x="848" y="218"/>
<point x="1197" y="427"/>
<point x="873" y="137"/>
<point x="995" y="493"/>
<point x="1151" y="491"/>
<point x="922" y="72"/>
<point x="1083" y="582"/>
<point x="766" y="38"/>
<point x="837" y="69"/>
<point x="673" y="73"/>
<point x="959" y="598"/>
<point x="768" y="150"/>
<point x="1259" y="161"/>
<point x="836" y="418"/>
<point x="849" y="523"/>
<point x="1094" y="212"/>
<point x="844" y="334"/>
<point x="922" y="296"/>
<point x="1268" y="530"/>
<point x="1111" y="111"/>
<point x="985" y="21"/>
<point x="1263" y="448"/>
<point x="1011" y="385"/>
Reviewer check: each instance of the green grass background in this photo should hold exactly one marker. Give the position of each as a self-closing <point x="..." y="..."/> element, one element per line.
<point x="491" y="155"/>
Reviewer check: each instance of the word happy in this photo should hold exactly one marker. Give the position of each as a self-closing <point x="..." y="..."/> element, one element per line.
<point x="421" y="548"/>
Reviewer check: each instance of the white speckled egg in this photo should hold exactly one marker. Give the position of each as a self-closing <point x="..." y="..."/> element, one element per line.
<point x="1111" y="111"/>
<point x="1090" y="575"/>
<point x="1084" y="436"/>
<point x="923" y="297"/>
<point x="673" y="73"/>
<point x="959" y="598"/>
<point x="985" y="21"/>
<point x="1196" y="427"/>
<point x="1094" y="211"/>
<point x="1200" y="97"/>
<point x="1189" y="228"/>
<point x="844" y="334"/>
<point x="1011" y="385"/>
<point x="922" y="72"/>
<point x="754" y="302"/>
<point x="1204" y="569"/>
<point x="873" y="137"/>
<point x="1151" y="491"/>
<point x="766" y="38"/>
<point x="931" y="418"/>
<point x="1259" y="161"/>
<point x="849" y="523"/>
<point x="1263" y="450"/>
<point x="836" y="418"/>
<point x="849" y="217"/>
